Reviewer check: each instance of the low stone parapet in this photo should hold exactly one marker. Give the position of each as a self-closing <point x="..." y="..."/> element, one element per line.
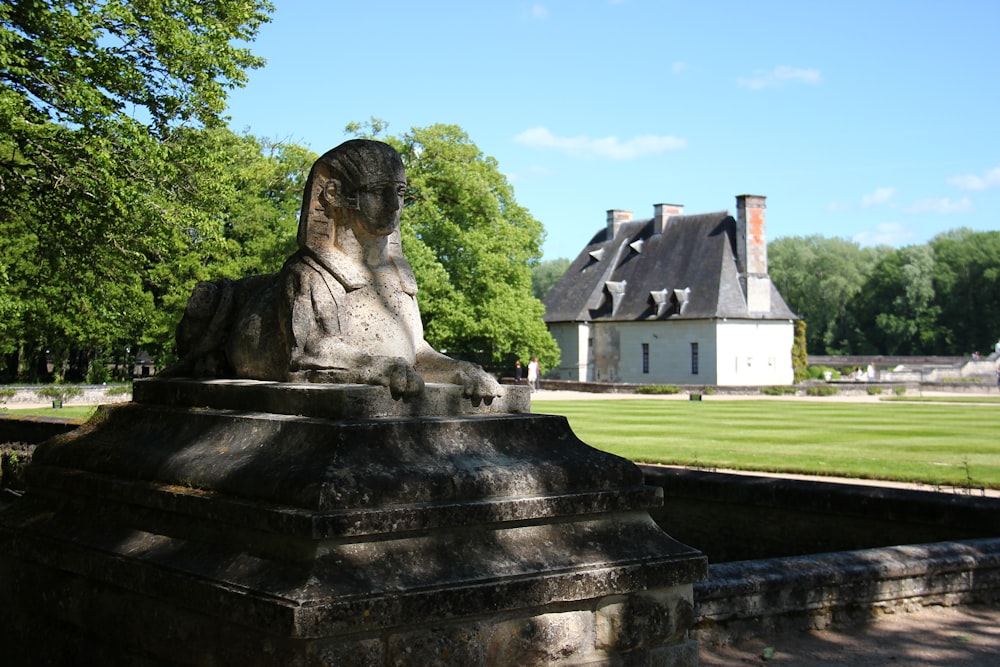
<point x="92" y="394"/>
<point x="746" y="599"/>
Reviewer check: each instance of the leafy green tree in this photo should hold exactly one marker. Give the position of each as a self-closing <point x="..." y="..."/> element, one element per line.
<point x="896" y="310"/>
<point x="472" y="247"/>
<point x="95" y="62"/>
<point x="800" y="357"/>
<point x="820" y="278"/>
<point x="238" y="198"/>
<point x="72" y="252"/>
<point x="966" y="278"/>
<point x="92" y="93"/>
<point x="242" y="198"/>
<point x="544" y="275"/>
<point x="938" y="298"/>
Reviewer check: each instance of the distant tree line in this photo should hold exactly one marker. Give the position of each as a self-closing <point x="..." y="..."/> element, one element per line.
<point x="940" y="298"/>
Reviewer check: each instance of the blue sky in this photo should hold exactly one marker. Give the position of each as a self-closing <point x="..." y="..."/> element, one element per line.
<point x="872" y="120"/>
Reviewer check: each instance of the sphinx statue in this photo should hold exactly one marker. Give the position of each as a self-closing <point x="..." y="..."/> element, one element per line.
<point x="342" y="309"/>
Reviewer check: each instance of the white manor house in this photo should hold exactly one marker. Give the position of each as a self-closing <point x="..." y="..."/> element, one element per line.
<point x="675" y="299"/>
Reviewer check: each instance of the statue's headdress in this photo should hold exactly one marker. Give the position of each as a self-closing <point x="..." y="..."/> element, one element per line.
<point x="351" y="166"/>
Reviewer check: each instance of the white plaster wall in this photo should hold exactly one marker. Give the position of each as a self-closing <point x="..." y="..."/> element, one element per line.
<point x="730" y="353"/>
<point x="758" y="294"/>
<point x="572" y="339"/>
<point x="755" y="352"/>
<point x="607" y="352"/>
<point x="669" y="351"/>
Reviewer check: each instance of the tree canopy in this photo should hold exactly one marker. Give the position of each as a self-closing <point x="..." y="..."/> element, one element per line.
<point x="966" y="279"/>
<point x="820" y="278"/>
<point x="942" y="297"/>
<point x="99" y="100"/>
<point x="95" y="63"/>
<point x="545" y="274"/>
<point x="472" y="248"/>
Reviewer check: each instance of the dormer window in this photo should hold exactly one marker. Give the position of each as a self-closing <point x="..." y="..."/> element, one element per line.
<point x="680" y="299"/>
<point x="617" y="291"/>
<point x="660" y="301"/>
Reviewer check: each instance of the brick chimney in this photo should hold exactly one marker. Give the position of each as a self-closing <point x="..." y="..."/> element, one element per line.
<point x="751" y="251"/>
<point x="662" y="214"/>
<point x="616" y="218"/>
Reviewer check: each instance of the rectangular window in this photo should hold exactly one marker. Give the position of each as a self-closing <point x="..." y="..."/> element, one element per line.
<point x="645" y="357"/>
<point x="694" y="358"/>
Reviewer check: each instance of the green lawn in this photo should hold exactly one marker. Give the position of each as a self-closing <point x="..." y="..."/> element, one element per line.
<point x="66" y="412"/>
<point x="953" y="444"/>
<point x="961" y="398"/>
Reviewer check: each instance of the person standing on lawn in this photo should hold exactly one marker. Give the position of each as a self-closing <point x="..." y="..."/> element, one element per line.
<point x="533" y="371"/>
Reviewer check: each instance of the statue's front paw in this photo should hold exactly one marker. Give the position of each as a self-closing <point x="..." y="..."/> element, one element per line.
<point x="401" y="378"/>
<point x="477" y="384"/>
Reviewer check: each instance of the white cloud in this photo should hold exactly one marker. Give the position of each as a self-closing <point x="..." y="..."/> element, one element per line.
<point x="606" y="147"/>
<point x="880" y="196"/>
<point x="941" y="206"/>
<point x="779" y="76"/>
<point x="990" y="179"/>
<point x="679" y="66"/>
<point x="538" y="12"/>
<point x="886" y="233"/>
<point x="532" y="172"/>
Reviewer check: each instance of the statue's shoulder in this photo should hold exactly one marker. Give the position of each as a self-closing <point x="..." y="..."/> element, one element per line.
<point x="305" y="267"/>
<point x="348" y="273"/>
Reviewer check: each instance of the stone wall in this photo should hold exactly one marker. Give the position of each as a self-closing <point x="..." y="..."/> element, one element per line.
<point x="797" y="555"/>
<point x="737" y="517"/>
<point x="844" y="388"/>
<point x="746" y="599"/>
<point x="93" y="394"/>
<point x="928" y="369"/>
<point x="33" y="430"/>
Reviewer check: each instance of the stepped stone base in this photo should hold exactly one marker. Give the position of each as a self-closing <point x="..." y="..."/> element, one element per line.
<point x="332" y="525"/>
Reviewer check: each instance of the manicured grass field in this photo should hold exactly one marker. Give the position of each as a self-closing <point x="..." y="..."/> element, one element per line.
<point x="65" y="412"/>
<point x="955" y="444"/>
<point x="950" y="445"/>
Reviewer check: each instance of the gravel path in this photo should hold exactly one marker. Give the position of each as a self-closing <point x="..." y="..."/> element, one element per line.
<point x="966" y="636"/>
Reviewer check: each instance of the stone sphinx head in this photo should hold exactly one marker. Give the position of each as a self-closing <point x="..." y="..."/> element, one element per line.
<point x="360" y="185"/>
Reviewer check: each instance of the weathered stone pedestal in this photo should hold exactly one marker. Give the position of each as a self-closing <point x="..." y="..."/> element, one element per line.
<point x="251" y="523"/>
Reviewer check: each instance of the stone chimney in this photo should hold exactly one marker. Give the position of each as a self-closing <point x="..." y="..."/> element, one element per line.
<point x="616" y="218"/>
<point x="662" y="214"/>
<point x="751" y="251"/>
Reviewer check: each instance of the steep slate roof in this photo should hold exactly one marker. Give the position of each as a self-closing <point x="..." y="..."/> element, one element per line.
<point x="695" y="251"/>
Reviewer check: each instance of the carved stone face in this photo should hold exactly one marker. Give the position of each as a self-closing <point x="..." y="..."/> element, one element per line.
<point x="357" y="185"/>
<point x="380" y="204"/>
<point x="366" y="188"/>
